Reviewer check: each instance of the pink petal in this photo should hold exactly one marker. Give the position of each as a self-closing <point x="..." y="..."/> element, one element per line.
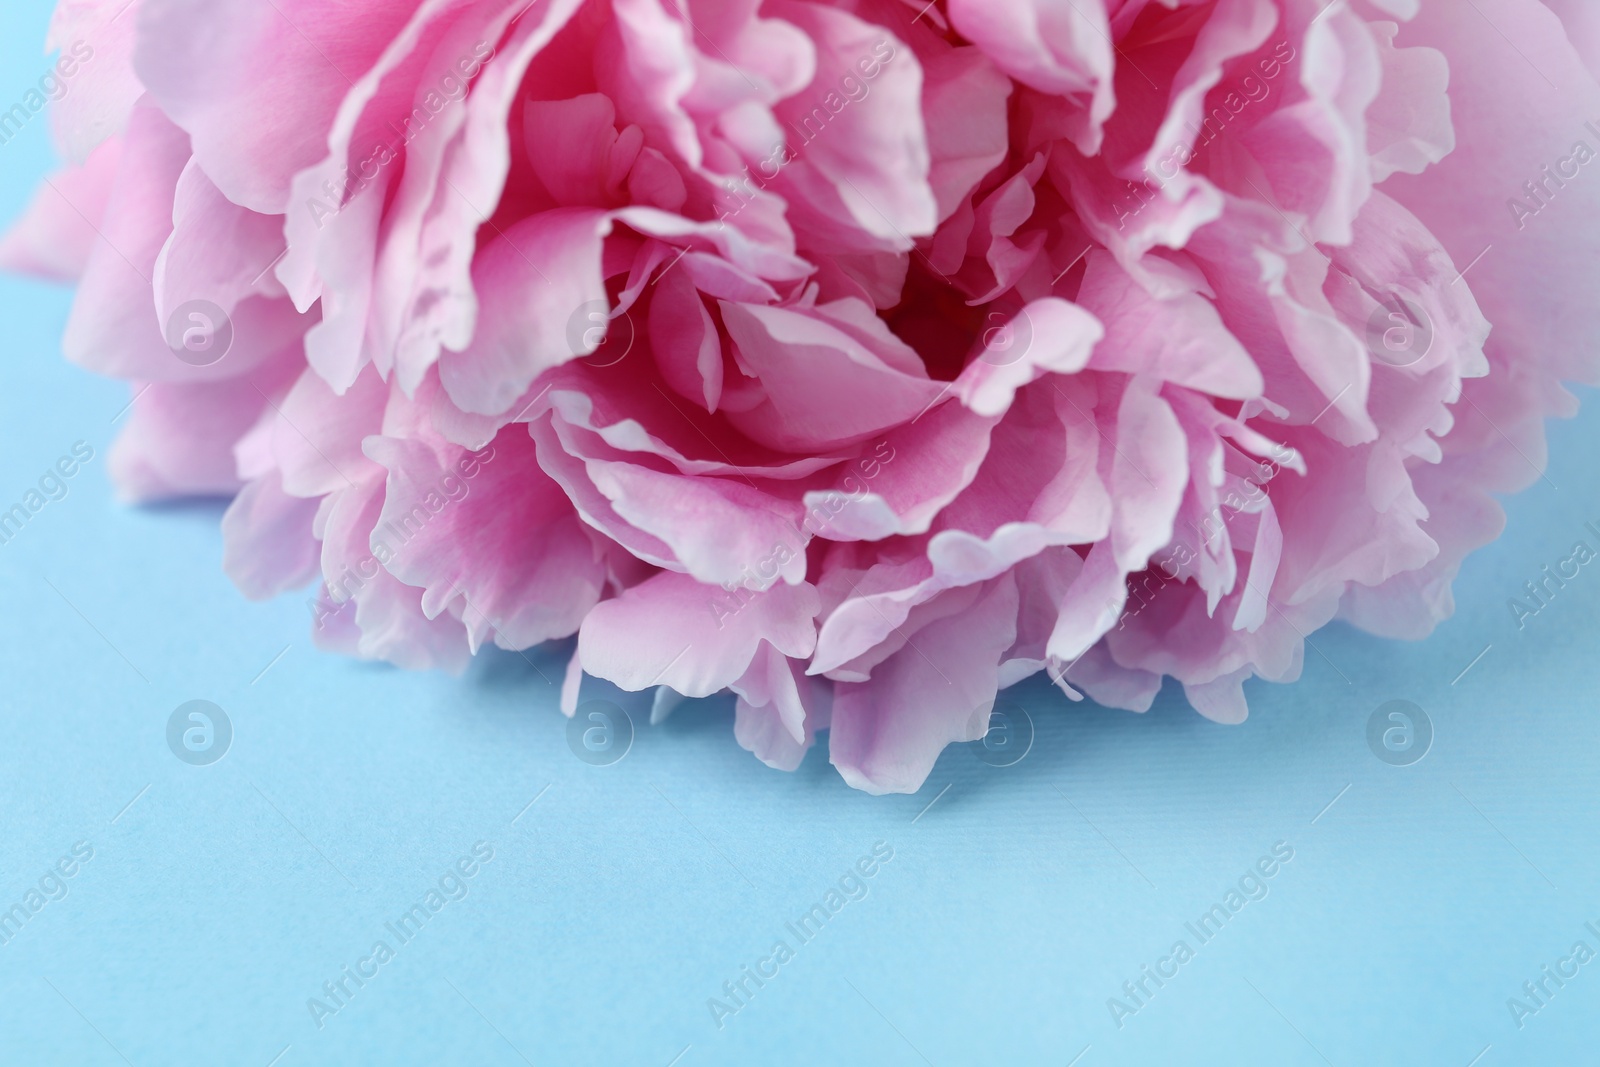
<point x="698" y="639"/>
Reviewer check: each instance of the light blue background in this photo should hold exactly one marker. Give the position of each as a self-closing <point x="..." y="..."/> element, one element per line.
<point x="1014" y="907"/>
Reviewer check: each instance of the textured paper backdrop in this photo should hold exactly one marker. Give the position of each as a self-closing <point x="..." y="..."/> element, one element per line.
<point x="1018" y="901"/>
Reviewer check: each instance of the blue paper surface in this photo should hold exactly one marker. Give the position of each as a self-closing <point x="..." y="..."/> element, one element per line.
<point x="214" y="913"/>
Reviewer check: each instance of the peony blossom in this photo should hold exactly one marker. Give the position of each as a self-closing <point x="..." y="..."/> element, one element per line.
<point x="861" y="357"/>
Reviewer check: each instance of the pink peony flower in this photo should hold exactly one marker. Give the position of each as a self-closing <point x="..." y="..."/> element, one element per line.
<point x="862" y="357"/>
